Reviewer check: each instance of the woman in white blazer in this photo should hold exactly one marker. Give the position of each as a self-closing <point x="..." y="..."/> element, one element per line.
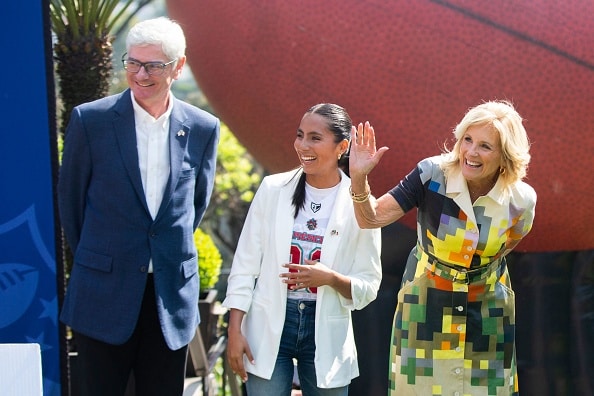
<point x="301" y="265"/>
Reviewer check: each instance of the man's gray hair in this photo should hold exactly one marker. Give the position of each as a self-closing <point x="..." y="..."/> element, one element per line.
<point x="160" y="31"/>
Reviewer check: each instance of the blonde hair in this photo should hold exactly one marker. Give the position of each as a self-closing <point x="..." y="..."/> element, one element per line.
<point x="506" y="121"/>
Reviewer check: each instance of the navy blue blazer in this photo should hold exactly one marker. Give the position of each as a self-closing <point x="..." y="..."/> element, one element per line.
<point x="108" y="225"/>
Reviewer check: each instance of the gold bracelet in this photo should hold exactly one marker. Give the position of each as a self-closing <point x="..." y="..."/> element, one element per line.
<point x="360" y="198"/>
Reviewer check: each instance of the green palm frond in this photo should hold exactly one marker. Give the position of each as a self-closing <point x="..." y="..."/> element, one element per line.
<point x="82" y="51"/>
<point x="79" y="18"/>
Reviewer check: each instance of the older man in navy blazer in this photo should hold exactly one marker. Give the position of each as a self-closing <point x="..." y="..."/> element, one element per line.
<point x="136" y="176"/>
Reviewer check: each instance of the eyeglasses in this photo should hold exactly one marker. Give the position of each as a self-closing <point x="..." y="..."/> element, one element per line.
<point x="152" y="68"/>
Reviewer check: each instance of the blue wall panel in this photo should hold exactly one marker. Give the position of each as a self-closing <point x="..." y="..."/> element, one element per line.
<point x="28" y="286"/>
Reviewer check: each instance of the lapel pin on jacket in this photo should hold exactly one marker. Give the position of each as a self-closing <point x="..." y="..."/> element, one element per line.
<point x="180" y="133"/>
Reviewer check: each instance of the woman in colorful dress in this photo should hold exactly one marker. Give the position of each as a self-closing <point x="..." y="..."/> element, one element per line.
<point x="453" y="331"/>
<point x="301" y="266"/>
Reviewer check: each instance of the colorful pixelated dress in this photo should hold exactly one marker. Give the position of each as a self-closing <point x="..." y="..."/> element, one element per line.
<point x="454" y="326"/>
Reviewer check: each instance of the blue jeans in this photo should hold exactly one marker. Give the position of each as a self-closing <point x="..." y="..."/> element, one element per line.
<point x="297" y="342"/>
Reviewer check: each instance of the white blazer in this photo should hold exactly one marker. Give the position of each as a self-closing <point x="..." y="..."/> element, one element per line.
<point x="262" y="250"/>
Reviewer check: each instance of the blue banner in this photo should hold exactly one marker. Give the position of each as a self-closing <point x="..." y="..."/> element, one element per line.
<point x="28" y="270"/>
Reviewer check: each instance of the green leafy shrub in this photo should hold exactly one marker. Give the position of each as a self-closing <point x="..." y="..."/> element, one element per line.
<point x="209" y="260"/>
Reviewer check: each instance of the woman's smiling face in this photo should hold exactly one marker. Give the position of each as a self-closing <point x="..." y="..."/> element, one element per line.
<point x="318" y="152"/>
<point x="480" y="155"/>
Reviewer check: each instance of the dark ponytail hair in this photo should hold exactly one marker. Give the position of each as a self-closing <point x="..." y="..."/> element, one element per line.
<point x="340" y="124"/>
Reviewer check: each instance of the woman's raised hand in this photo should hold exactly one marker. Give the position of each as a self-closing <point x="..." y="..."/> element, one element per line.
<point x="363" y="155"/>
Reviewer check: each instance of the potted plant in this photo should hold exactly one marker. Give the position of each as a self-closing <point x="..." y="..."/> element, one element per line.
<point x="209" y="261"/>
<point x="209" y="269"/>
